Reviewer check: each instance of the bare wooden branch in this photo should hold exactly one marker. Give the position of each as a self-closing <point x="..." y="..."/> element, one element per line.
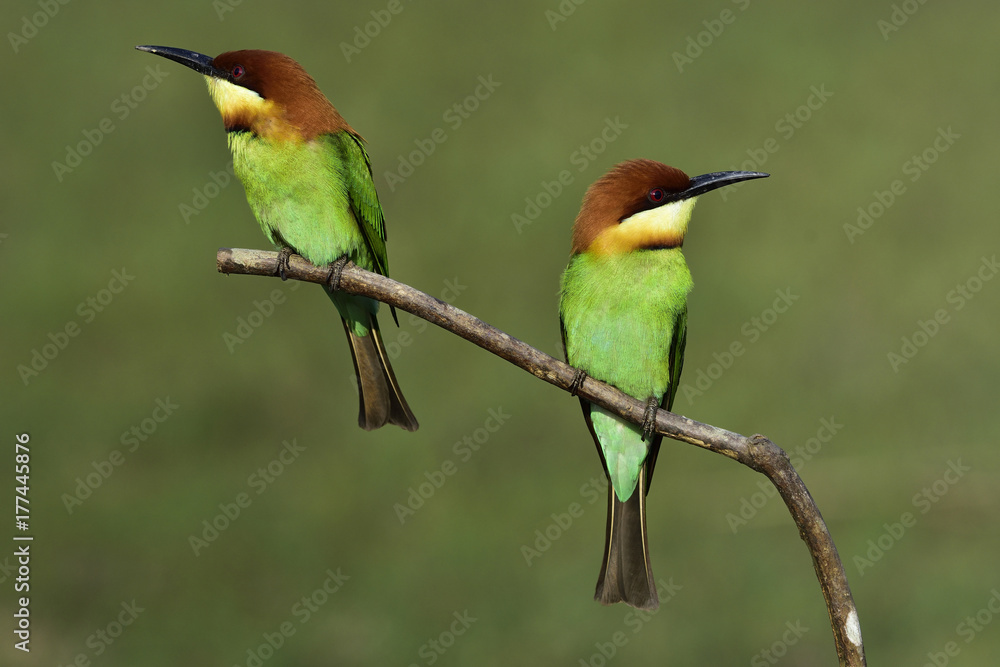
<point x="756" y="452"/>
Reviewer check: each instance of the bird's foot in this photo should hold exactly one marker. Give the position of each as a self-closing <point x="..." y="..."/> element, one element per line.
<point x="649" y="418"/>
<point x="336" y="270"/>
<point x="574" y="386"/>
<point x="283" y="267"/>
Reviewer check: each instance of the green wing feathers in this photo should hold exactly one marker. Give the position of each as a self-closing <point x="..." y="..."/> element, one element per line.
<point x="677" y="344"/>
<point x="356" y="172"/>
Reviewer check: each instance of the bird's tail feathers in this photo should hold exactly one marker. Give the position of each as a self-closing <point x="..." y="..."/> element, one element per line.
<point x="626" y="575"/>
<point x="381" y="400"/>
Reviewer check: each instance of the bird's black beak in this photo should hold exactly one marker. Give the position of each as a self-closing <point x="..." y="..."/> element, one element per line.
<point x="717" y="179"/>
<point x="199" y="62"/>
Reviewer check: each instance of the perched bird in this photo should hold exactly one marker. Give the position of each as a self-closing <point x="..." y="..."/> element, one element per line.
<point x="623" y="311"/>
<point x="309" y="182"/>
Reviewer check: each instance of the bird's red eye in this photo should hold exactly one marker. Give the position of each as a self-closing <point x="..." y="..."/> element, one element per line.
<point x="656" y="195"/>
<point x="238" y="71"/>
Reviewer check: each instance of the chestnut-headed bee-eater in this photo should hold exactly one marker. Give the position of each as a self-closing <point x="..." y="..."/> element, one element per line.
<point x="309" y="183"/>
<point x="623" y="311"/>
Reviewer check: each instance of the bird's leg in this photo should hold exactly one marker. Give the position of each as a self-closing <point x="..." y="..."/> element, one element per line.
<point x="577" y="382"/>
<point x="336" y="270"/>
<point x="283" y="267"/>
<point x="649" y="418"/>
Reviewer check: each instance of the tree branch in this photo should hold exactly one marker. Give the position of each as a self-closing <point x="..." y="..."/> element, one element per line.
<point x="756" y="452"/>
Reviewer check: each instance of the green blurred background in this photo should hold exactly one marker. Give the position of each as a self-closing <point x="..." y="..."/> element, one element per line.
<point x="834" y="100"/>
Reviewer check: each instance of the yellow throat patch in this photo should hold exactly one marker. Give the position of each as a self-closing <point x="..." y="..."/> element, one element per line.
<point x="242" y="107"/>
<point x="661" y="227"/>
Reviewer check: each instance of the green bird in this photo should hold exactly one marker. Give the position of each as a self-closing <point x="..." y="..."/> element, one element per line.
<point x="623" y="312"/>
<point x="309" y="183"/>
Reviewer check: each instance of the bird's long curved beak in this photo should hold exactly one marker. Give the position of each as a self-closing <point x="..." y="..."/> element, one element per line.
<point x="717" y="179"/>
<point x="199" y="62"/>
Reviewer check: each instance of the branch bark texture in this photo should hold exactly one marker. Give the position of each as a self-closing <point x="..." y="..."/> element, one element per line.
<point x="756" y="452"/>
